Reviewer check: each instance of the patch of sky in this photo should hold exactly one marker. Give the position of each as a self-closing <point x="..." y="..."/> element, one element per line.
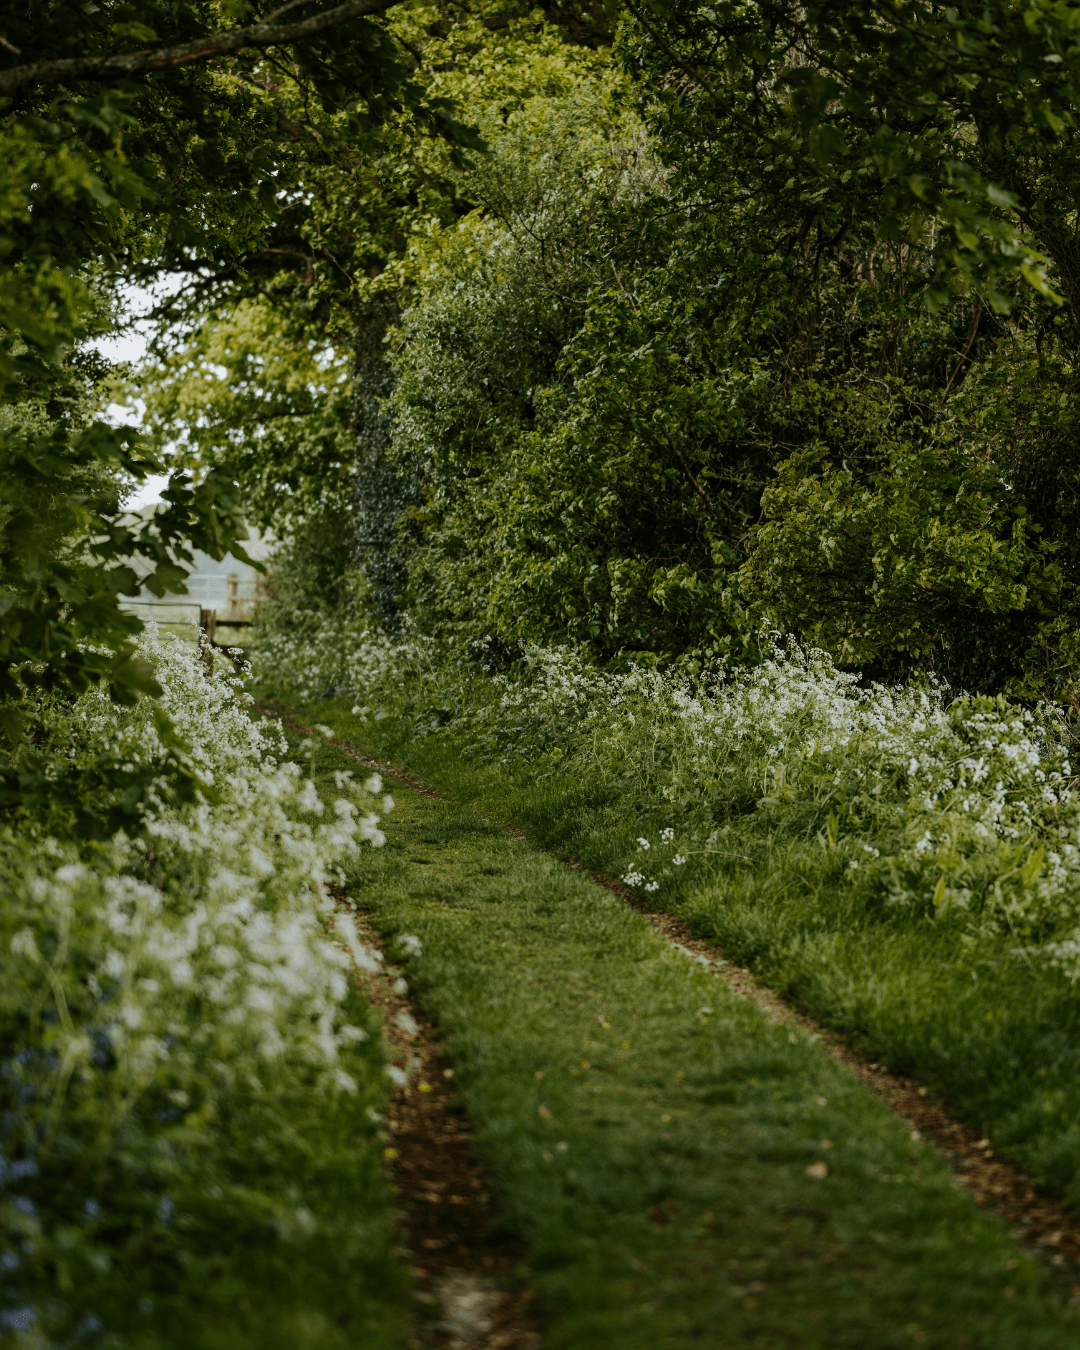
<point x="128" y="342"/>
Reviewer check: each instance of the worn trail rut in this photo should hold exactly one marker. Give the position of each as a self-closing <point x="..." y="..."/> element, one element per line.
<point x="459" y="1254"/>
<point x="460" y="1260"/>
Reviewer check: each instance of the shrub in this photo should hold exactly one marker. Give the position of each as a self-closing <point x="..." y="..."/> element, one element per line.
<point x="189" y="1085"/>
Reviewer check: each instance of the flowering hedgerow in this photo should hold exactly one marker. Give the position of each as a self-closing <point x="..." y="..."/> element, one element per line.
<point x="183" y="1059"/>
<point x="316" y="655"/>
<point x="964" y="809"/>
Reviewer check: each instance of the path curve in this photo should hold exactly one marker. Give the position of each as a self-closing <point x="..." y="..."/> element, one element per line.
<point x="1040" y="1223"/>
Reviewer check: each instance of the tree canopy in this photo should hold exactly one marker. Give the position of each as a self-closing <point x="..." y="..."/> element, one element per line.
<point x="139" y="139"/>
<point x="718" y="315"/>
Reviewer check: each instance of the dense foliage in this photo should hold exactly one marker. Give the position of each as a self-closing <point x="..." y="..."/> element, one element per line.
<point x="141" y="138"/>
<point x="187" y="1076"/>
<point x="573" y="354"/>
<point x="759" y="313"/>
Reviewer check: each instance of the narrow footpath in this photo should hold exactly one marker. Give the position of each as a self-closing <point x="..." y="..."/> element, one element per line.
<point x="600" y="1140"/>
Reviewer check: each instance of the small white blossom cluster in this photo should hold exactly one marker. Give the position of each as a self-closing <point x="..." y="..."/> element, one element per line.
<point x="196" y="956"/>
<point x="317" y="656"/>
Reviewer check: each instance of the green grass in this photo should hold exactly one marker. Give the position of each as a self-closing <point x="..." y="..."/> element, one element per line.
<point x="663" y="1190"/>
<point x="998" y="1038"/>
<point x="237" y="1275"/>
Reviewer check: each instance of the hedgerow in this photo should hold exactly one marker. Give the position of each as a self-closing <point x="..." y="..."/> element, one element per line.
<point x="190" y="1086"/>
<point x="959" y="808"/>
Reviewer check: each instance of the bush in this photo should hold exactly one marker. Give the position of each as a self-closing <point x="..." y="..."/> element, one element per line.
<point x="190" y="1087"/>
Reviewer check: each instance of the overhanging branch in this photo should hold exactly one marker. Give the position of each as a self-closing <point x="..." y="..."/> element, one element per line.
<point x="202" y="49"/>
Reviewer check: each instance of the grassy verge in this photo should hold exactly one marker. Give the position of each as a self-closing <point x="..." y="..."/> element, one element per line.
<point x="999" y="1037"/>
<point x="651" y="1134"/>
<point x="190" y="1092"/>
<point x="284" y="1233"/>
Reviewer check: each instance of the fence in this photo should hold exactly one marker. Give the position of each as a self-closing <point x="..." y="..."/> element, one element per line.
<point x="223" y="612"/>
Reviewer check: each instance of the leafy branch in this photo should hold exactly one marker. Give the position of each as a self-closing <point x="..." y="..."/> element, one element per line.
<point x="259" y="35"/>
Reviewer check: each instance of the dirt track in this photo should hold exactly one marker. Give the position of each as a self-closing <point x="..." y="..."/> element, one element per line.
<point x="1042" y="1224"/>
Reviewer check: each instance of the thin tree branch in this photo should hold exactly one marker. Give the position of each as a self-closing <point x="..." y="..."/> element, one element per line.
<point x="964" y="356"/>
<point x="165" y="58"/>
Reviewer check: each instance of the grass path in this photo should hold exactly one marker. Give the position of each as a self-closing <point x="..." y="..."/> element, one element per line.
<point x="461" y="1259"/>
<point x="680" y="1170"/>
